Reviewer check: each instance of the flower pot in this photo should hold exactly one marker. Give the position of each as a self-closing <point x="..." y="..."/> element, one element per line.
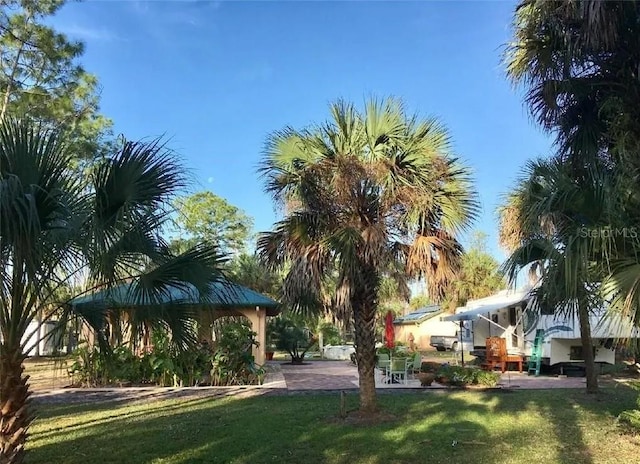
<point x="426" y="378"/>
<point x="269" y="355"/>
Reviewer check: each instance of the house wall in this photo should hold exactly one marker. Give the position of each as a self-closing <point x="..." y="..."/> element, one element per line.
<point x="422" y="332"/>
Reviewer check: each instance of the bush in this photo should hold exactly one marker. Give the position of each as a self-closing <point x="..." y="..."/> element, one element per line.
<point x="330" y="334"/>
<point x="462" y="376"/>
<point x="232" y="362"/>
<point x="228" y="362"/>
<point x="487" y="378"/>
<point x="293" y="339"/>
<point x="431" y="367"/>
<point x="631" y="417"/>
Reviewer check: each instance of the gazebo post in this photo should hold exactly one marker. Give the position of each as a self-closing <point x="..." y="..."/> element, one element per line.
<point x="258" y="319"/>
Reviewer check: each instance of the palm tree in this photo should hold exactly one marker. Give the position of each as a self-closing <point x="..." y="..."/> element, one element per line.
<point x="247" y="270"/>
<point x="58" y="229"/>
<point x="364" y="191"/>
<point x="578" y="60"/>
<point x="567" y="228"/>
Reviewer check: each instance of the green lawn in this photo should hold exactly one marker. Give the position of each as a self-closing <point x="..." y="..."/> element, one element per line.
<point x="561" y="426"/>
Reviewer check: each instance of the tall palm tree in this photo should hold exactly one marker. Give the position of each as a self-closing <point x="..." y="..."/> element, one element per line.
<point x="568" y="230"/>
<point x="58" y="228"/>
<point x="579" y="61"/>
<point x="365" y="190"/>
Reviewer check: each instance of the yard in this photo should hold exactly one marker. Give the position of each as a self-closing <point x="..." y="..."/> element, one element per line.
<point x="563" y="426"/>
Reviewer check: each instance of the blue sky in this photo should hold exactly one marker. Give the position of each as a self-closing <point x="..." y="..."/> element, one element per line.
<point x="217" y="77"/>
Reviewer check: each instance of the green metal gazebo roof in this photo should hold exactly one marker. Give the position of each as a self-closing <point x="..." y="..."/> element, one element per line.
<point x="222" y="295"/>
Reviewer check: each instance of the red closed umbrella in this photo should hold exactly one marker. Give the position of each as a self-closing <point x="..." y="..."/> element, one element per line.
<point x="389" y="331"/>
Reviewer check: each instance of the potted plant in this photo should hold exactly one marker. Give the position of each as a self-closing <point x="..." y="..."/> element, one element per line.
<point x="427" y="373"/>
<point x="270" y="347"/>
<point x="426" y="378"/>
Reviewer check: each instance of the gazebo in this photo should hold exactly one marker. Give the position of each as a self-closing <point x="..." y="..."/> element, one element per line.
<point x="224" y="299"/>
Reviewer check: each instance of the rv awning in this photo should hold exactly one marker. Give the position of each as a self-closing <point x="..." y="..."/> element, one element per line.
<point x="471" y="315"/>
<point x="476" y="313"/>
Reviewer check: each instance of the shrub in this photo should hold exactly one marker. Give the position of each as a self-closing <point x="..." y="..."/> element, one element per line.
<point x="428" y="366"/>
<point x="486" y="378"/>
<point x="631" y="418"/>
<point x="461" y="376"/>
<point x="293" y="339"/>
<point x="330" y="334"/>
<point x="228" y="362"/>
<point x="87" y="369"/>
<point x="232" y="362"/>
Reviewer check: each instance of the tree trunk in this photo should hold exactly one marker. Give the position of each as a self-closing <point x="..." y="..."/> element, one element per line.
<point x="587" y="349"/>
<point x="15" y="414"/>
<point x="364" y="321"/>
<point x="14" y="70"/>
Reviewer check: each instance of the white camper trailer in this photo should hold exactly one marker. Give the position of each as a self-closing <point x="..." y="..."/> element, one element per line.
<point x="512" y="316"/>
<point x="40" y="339"/>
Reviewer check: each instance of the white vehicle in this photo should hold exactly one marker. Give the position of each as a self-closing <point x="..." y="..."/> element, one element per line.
<point x="513" y="316"/>
<point x="40" y="340"/>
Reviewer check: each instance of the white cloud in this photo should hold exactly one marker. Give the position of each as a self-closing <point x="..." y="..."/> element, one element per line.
<point x="88" y="33"/>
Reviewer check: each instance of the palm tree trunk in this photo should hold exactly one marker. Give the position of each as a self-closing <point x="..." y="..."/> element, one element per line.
<point x="15" y="415"/>
<point x="587" y="349"/>
<point x="364" y="322"/>
<point x="364" y="317"/>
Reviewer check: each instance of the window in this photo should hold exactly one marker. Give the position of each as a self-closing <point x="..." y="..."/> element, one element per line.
<point x="575" y="353"/>
<point x="546" y="309"/>
<point x="512" y="315"/>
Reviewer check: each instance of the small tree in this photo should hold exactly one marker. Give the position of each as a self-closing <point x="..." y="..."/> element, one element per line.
<point x="292" y="338"/>
<point x="206" y="217"/>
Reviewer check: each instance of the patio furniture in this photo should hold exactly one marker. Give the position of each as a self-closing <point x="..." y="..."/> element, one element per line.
<point x="416" y="365"/>
<point x="513" y="358"/>
<point x="397" y="371"/>
<point x="496" y="354"/>
<point x="382" y="366"/>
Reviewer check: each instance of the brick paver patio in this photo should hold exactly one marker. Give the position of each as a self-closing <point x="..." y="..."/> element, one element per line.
<point x="342" y="375"/>
<point x="283" y="379"/>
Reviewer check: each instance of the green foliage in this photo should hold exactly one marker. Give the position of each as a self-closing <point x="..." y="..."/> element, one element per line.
<point x="479" y="275"/>
<point x="578" y="62"/>
<point x="292" y="338"/>
<point x="87" y="369"/>
<point x="232" y="361"/>
<point x="461" y="376"/>
<point x="631" y="417"/>
<point x="330" y="334"/>
<point x="40" y="78"/>
<point x="399" y="350"/>
<point x="206" y="217"/>
<point x="228" y="362"/>
<point x="420" y="301"/>
<point x="247" y="270"/>
<point x="366" y="192"/>
<point x="105" y="227"/>
<point x="428" y="366"/>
